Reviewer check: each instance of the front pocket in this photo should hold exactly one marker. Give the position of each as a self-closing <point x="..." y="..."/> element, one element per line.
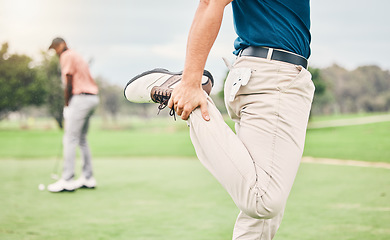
<point x="237" y="77"/>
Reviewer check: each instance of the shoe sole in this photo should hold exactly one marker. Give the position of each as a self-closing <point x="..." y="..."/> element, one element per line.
<point x="85" y="187"/>
<point x="165" y="71"/>
<point x="63" y="190"/>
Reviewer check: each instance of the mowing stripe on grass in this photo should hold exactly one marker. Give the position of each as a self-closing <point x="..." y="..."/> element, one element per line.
<point x="349" y="122"/>
<point x="340" y="162"/>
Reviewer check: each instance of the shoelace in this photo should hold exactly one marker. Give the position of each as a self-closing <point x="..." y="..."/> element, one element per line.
<point x="163" y="98"/>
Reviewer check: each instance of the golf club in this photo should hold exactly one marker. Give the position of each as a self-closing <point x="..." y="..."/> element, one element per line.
<point x="54" y="174"/>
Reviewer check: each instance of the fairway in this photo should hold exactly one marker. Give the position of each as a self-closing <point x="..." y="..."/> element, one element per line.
<point x="166" y="138"/>
<point x="152" y="187"/>
<point x="176" y="198"/>
<point x="368" y="142"/>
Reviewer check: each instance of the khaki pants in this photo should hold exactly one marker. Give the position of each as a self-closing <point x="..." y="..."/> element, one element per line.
<point x="80" y="109"/>
<point x="270" y="103"/>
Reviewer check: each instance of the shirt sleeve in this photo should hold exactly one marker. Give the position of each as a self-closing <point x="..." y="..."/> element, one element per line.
<point x="67" y="67"/>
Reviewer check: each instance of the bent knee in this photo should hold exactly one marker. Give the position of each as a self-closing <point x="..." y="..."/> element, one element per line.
<point x="265" y="208"/>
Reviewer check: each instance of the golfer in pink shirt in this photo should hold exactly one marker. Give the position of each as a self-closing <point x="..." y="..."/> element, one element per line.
<point x="81" y="101"/>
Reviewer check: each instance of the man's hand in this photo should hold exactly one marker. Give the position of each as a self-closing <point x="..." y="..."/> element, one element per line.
<point x="188" y="94"/>
<point x="186" y="97"/>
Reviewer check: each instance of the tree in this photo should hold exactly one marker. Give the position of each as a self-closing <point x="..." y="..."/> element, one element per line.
<point x="365" y="89"/>
<point x="21" y="84"/>
<point x="321" y="94"/>
<point x="50" y="70"/>
<point x="110" y="98"/>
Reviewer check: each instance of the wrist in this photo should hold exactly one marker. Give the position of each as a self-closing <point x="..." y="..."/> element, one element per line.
<point x="193" y="79"/>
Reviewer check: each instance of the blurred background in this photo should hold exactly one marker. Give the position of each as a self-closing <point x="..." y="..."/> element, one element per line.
<point x="121" y="39"/>
<point x="349" y="125"/>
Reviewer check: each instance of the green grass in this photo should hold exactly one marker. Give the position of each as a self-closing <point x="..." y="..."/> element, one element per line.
<point x="338" y="202"/>
<point x="135" y="199"/>
<point x="345" y="116"/>
<point x="368" y="142"/>
<point x="158" y="199"/>
<point x="165" y="137"/>
<point x="161" y="137"/>
<point x="150" y="186"/>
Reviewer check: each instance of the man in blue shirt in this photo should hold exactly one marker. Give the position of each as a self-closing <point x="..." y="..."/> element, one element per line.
<point x="268" y="93"/>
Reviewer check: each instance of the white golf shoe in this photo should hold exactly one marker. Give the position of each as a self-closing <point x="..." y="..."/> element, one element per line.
<point x="62" y="186"/>
<point x="157" y="85"/>
<point x="82" y="182"/>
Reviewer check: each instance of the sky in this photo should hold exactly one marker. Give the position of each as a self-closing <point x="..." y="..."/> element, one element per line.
<point x="122" y="38"/>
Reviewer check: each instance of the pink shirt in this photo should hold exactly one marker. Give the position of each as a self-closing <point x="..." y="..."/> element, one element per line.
<point x="73" y="64"/>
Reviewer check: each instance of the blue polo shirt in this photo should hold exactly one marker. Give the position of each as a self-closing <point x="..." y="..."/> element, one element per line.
<point x="283" y="24"/>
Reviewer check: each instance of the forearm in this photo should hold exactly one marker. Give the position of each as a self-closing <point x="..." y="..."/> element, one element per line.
<point x="204" y="30"/>
<point x="68" y="89"/>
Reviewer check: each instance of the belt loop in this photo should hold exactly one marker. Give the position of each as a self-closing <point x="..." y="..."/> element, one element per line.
<point x="269" y="55"/>
<point x="227" y="63"/>
<point x="240" y="52"/>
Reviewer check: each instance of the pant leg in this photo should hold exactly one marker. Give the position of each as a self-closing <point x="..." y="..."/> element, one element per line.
<point x="257" y="167"/>
<point x="251" y="228"/>
<point x="87" y="170"/>
<point x="225" y="156"/>
<point x="80" y="109"/>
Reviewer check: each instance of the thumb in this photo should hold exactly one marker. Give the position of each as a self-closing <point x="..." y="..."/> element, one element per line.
<point x="205" y="112"/>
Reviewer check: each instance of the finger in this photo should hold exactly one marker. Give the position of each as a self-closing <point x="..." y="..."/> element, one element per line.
<point x="205" y="112"/>
<point x="185" y="115"/>
<point x="178" y="109"/>
<point x="187" y="111"/>
<point x="170" y="102"/>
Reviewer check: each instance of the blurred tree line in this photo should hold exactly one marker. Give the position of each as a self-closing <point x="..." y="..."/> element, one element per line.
<point x="364" y="89"/>
<point x="24" y="83"/>
<point x="20" y="83"/>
